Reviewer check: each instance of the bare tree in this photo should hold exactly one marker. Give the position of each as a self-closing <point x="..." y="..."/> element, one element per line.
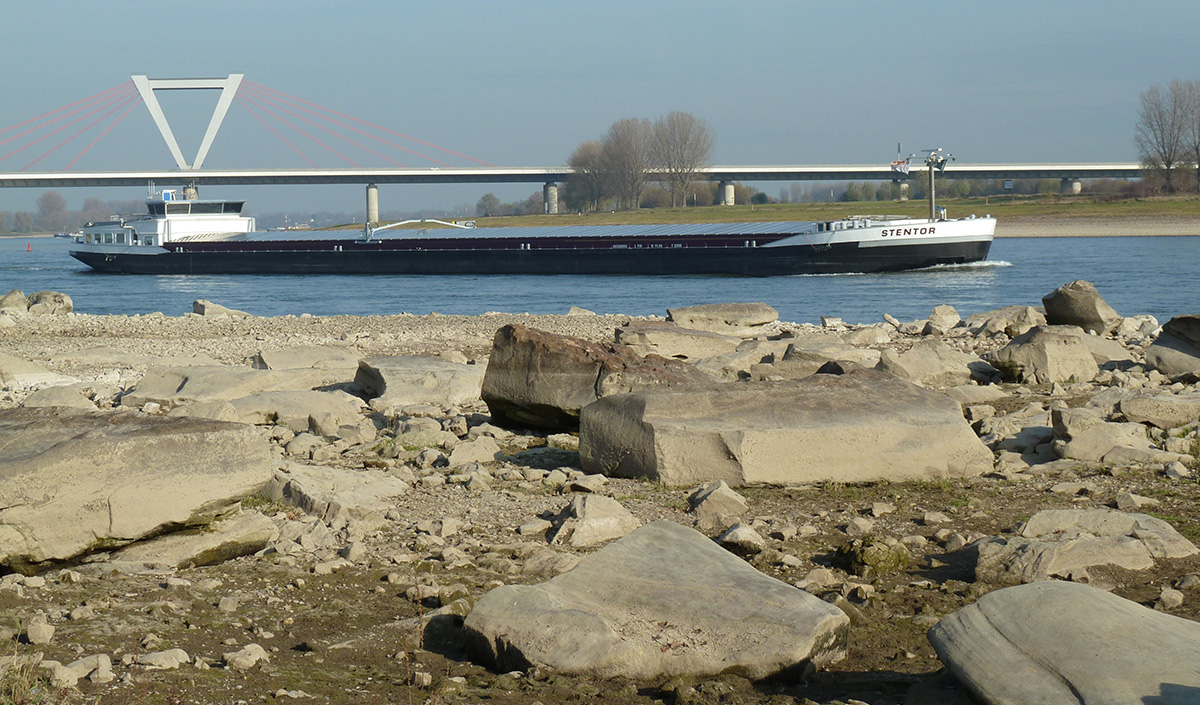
<point x="627" y="160"/>
<point x="681" y="145"/>
<point x="1191" y="130"/>
<point x="585" y="188"/>
<point x="1160" y="130"/>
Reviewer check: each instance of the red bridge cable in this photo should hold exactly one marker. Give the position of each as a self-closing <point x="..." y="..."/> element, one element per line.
<point x="80" y="131"/>
<point x="272" y="129"/>
<point x="297" y="129"/>
<point x="86" y="115"/>
<point x="368" y="124"/>
<point x="59" y="110"/>
<point x="284" y="108"/>
<point x="102" y="134"/>
<point x="326" y="129"/>
<point x="47" y="123"/>
<point x="339" y="123"/>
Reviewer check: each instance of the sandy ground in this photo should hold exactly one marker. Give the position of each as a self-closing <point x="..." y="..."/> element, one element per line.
<point x="1122" y="226"/>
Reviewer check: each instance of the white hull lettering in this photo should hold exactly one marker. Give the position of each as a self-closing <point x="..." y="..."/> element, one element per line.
<point x="896" y="232"/>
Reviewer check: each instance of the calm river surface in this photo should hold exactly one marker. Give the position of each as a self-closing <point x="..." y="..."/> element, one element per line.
<point x="1155" y="275"/>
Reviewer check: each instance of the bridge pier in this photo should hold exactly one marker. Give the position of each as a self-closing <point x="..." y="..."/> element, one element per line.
<point x="372" y="203"/>
<point x="1070" y="187"/>
<point x="550" y="198"/>
<point x="725" y="191"/>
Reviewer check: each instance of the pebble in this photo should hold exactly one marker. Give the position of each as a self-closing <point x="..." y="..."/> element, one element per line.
<point x="1170" y="599"/>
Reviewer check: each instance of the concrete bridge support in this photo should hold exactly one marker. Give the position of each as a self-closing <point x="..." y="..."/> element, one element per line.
<point x="372" y="203"/>
<point x="725" y="192"/>
<point x="550" y="198"/>
<point x="1071" y="187"/>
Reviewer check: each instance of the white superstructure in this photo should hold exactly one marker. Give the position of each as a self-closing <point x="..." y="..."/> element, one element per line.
<point x="169" y="219"/>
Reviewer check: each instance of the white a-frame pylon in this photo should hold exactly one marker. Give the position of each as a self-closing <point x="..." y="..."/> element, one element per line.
<point x="228" y="87"/>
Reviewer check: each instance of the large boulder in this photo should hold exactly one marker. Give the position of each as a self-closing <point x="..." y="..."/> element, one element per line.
<point x="865" y="426"/>
<point x="1057" y="642"/>
<point x="1176" y="351"/>
<point x="543" y="379"/>
<point x="663" y="601"/>
<point x="1079" y="304"/>
<point x="739" y="320"/>
<point x="74" y="482"/>
<point x="1064" y="543"/>
<point x="669" y="340"/>
<point x="1046" y="355"/>
<point x="406" y="380"/>
<point x="334" y="495"/>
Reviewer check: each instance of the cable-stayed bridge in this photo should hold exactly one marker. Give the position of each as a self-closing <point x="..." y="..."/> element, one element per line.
<point x="345" y="137"/>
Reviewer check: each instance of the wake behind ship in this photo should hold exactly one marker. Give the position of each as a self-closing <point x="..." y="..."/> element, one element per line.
<point x="193" y="236"/>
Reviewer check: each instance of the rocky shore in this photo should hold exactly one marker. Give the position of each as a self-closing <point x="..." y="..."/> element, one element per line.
<point x="712" y="506"/>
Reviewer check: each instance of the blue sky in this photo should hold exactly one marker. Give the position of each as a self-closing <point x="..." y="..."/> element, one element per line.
<point x="522" y="83"/>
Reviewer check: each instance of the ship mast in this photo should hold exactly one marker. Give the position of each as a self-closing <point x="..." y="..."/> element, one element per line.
<point x="935" y="160"/>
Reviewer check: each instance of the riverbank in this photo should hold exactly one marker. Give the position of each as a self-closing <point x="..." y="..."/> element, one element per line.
<point x="343" y="610"/>
<point x="1098" y="226"/>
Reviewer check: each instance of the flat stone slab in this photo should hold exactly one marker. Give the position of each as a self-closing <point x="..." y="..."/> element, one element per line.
<point x="1053" y="642"/>
<point x="663" y="601"/>
<point x="220" y="541"/>
<point x="178" y="385"/>
<point x="73" y="482"/>
<point x="860" y="427"/>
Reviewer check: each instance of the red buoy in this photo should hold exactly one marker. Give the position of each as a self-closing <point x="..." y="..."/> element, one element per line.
<point x="29" y="247"/>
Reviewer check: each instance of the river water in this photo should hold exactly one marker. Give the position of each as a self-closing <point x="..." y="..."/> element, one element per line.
<point x="1154" y="275"/>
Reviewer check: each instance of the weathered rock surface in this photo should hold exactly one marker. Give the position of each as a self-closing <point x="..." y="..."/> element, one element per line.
<point x="14" y="303"/>
<point x="49" y="302"/>
<point x="1163" y="411"/>
<point x="663" y="601"/>
<point x="1089" y="437"/>
<point x="1176" y="351"/>
<point x="670" y="340"/>
<point x="306" y="356"/>
<point x="79" y="481"/>
<point x="1022" y="645"/>
<point x="1045" y="355"/>
<point x="177" y="385"/>
<point x="335" y="495"/>
<point x="859" y="427"/>
<point x="736" y="319"/>
<point x="930" y="363"/>
<point x="321" y="412"/>
<point x="1064" y="543"/>
<point x="592" y="519"/>
<point x="69" y="396"/>
<point x="408" y="379"/>
<point x="1079" y="304"/>
<point x="713" y="503"/>
<point x="1009" y="320"/>
<point x="542" y="379"/>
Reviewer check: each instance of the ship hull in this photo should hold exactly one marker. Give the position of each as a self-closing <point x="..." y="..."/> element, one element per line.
<point x="836" y="258"/>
